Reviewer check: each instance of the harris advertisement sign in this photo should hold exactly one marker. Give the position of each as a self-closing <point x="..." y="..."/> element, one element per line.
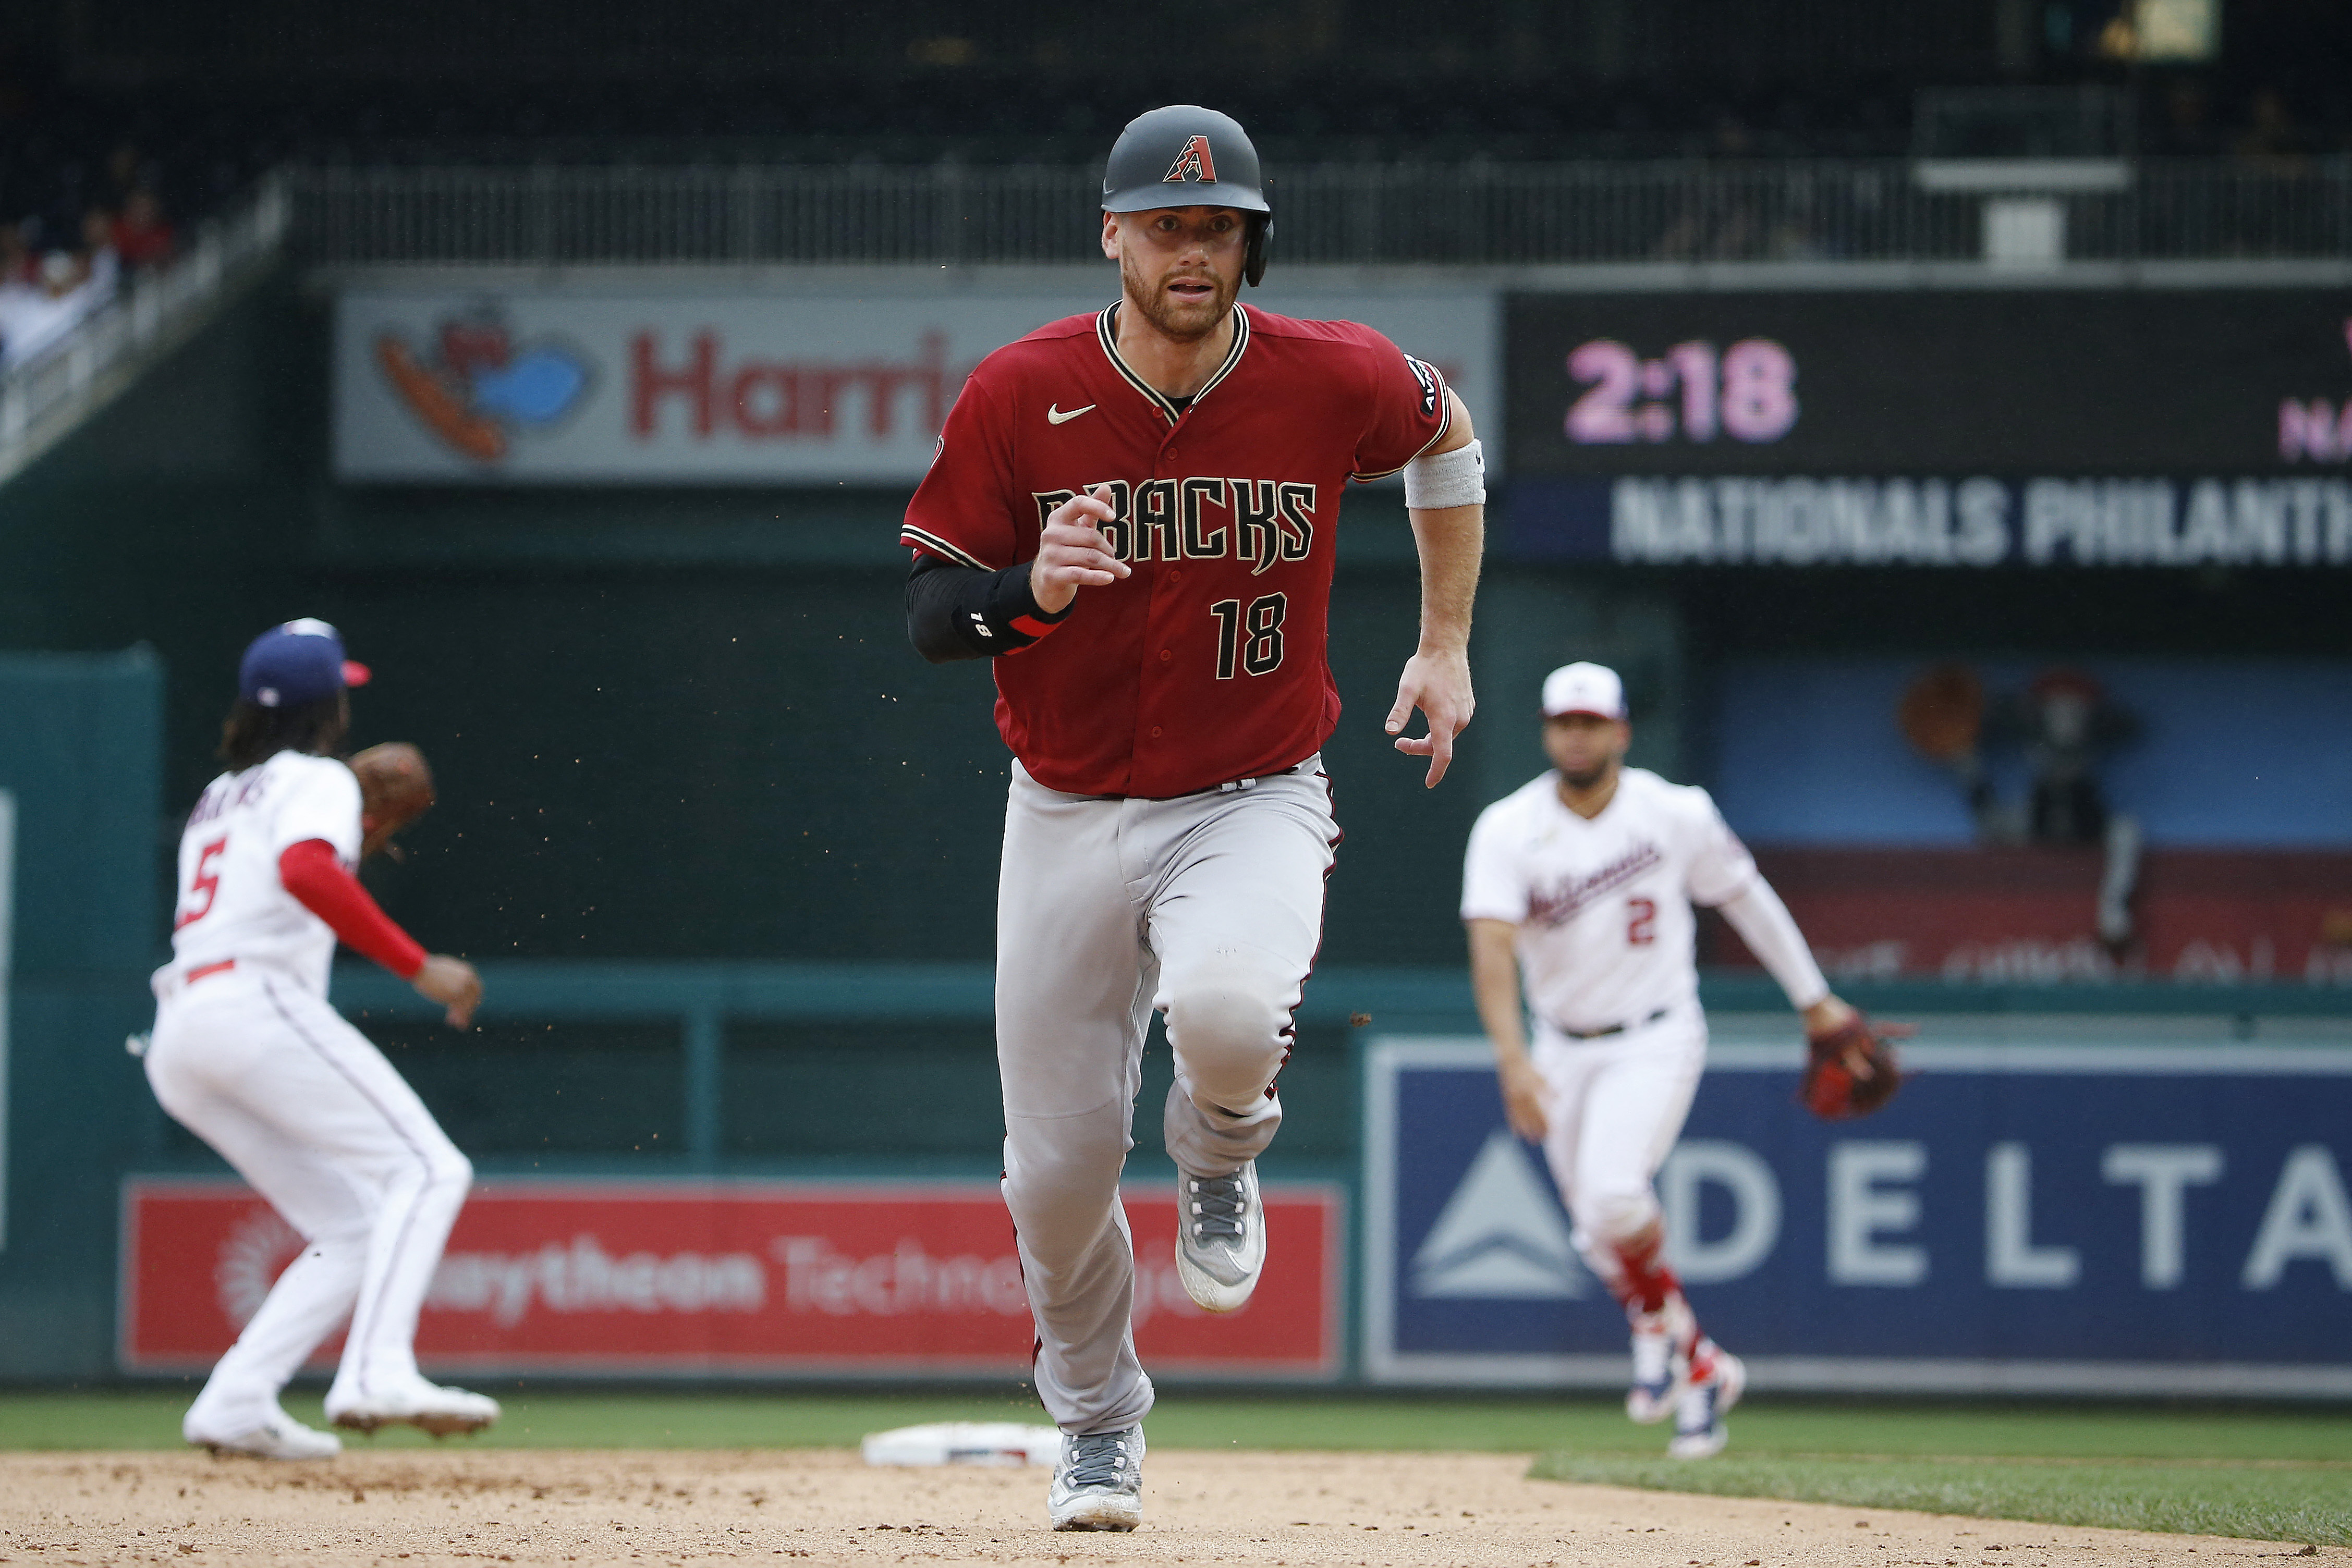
<point x="572" y="384"/>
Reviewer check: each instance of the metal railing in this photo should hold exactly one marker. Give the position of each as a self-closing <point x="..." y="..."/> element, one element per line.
<point x="1509" y="214"/>
<point x="705" y="999"/>
<point x="1475" y="213"/>
<point x="51" y="391"/>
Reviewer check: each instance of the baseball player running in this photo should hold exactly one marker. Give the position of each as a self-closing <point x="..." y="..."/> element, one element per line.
<point x="248" y="1055"/>
<point x="1580" y="884"/>
<point x="1132" y="513"/>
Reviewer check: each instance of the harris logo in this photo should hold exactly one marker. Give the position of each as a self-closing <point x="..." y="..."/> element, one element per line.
<point x="476" y="388"/>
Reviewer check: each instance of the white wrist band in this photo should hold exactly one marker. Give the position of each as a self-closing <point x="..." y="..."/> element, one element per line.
<point x="1455" y="478"/>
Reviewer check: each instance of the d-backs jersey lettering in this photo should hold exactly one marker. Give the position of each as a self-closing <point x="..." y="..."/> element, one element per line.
<point x="1207" y="664"/>
<point x="1603" y="906"/>
<point x="231" y="902"/>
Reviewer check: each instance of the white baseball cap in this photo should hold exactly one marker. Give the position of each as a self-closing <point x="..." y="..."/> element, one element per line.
<point x="1583" y="688"/>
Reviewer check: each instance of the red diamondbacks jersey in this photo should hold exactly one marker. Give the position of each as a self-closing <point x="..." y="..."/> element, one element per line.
<point x="1208" y="662"/>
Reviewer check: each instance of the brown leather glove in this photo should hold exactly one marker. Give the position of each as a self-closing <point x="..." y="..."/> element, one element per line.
<point x="1851" y="1070"/>
<point x="395" y="789"/>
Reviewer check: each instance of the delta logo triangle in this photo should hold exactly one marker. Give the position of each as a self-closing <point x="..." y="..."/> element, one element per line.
<point x="1501" y="1235"/>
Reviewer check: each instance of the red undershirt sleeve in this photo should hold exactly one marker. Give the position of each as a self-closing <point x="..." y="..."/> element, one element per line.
<point x="318" y="881"/>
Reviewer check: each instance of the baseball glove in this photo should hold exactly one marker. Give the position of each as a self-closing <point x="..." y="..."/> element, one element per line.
<point x="1942" y="713"/>
<point x="395" y="789"/>
<point x="1851" y="1070"/>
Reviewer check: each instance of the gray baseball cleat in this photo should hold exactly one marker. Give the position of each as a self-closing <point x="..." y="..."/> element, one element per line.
<point x="276" y="1435"/>
<point x="1220" y="1236"/>
<point x="1099" y="1482"/>
<point x="1660" y="1370"/>
<point x="1652" y="1396"/>
<point x="416" y="1403"/>
<point x="1717" y="1378"/>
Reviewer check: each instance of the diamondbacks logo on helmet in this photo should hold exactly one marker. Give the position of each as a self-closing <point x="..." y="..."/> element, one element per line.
<point x="1193" y="164"/>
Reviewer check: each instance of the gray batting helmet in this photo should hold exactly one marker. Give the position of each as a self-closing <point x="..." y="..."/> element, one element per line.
<point x="1187" y="156"/>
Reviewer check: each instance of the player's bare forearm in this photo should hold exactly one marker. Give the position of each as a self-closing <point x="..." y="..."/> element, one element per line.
<point x="1452" y="540"/>
<point x="1494" y="983"/>
<point x="1436" y="679"/>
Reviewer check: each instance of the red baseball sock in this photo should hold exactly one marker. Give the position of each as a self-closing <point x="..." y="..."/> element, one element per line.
<point x="1644" y="1281"/>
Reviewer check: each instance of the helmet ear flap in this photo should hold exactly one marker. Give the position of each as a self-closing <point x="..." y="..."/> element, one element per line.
<point x="1254" y="258"/>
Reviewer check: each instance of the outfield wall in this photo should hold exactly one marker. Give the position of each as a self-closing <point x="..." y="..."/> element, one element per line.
<point x="2088" y="1203"/>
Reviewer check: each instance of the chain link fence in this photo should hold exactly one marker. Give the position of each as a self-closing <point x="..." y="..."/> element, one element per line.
<point x="1493" y="214"/>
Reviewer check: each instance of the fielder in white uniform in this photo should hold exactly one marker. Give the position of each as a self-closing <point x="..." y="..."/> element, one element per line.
<point x="248" y="1055"/>
<point x="1579" y="885"/>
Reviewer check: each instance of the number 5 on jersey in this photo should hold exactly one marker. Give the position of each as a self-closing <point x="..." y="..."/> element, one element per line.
<point x="205" y="885"/>
<point x="1259" y="653"/>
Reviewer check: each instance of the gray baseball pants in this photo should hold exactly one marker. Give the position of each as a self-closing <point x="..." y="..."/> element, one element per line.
<point x="1208" y="908"/>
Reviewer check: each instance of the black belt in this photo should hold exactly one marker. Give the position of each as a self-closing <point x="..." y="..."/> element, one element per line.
<point x="1227" y="787"/>
<point x="1612" y="1029"/>
<point x="1231" y="785"/>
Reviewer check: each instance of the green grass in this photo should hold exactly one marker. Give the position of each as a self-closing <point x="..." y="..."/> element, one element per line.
<point x="2270" y="1473"/>
<point x="2306" y="1500"/>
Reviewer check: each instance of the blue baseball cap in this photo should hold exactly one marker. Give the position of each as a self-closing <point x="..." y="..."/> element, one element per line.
<point x="298" y="662"/>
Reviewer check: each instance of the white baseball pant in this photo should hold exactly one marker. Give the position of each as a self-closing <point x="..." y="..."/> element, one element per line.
<point x="1615" y="1107"/>
<point x="310" y="1113"/>
<point x="1208" y="908"/>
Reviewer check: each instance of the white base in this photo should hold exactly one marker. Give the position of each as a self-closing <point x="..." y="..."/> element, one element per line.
<point x="1003" y="1443"/>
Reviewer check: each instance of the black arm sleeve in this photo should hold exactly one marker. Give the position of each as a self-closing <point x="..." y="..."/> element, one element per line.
<point x="962" y="612"/>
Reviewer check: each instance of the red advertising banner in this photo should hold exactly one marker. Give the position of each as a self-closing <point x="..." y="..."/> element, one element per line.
<point x="2030" y="914"/>
<point x="693" y="1279"/>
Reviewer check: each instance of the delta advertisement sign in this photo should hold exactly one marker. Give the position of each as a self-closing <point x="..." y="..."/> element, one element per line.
<point x="2025" y="1217"/>
<point x="565" y="385"/>
<point x="679" y="1278"/>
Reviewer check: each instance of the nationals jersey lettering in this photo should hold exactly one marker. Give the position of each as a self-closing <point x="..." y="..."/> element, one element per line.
<point x="1606" y="931"/>
<point x="231" y="902"/>
<point x="1558" y="902"/>
<point x="1226" y="509"/>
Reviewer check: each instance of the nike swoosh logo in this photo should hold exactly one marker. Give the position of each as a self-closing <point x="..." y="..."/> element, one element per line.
<point x="1055" y="417"/>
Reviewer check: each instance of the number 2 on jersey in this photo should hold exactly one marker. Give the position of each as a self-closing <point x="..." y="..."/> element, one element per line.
<point x="1260" y="651"/>
<point x="1641" y="922"/>
<point x="205" y="885"/>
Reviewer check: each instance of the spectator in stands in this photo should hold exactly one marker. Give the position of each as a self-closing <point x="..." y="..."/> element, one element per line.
<point x="20" y="295"/>
<point x="101" y="262"/>
<point x="141" y="237"/>
<point x="37" y="314"/>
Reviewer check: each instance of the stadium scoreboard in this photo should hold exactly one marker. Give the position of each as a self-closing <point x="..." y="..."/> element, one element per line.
<point x="1980" y="427"/>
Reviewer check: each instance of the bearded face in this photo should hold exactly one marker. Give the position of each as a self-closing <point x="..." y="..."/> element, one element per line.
<point x="1585" y="747"/>
<point x="1180" y="266"/>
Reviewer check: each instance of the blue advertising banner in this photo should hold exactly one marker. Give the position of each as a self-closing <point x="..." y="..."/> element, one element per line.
<point x="1964" y="521"/>
<point x="2024" y="1218"/>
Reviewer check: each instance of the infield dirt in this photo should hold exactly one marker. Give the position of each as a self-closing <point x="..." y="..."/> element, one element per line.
<point x="1291" y="1509"/>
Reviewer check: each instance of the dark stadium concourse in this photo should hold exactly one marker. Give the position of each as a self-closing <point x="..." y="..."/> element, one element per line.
<point x="215" y="92"/>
